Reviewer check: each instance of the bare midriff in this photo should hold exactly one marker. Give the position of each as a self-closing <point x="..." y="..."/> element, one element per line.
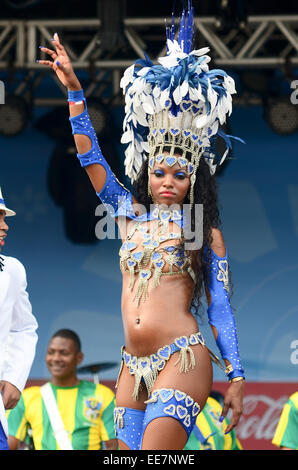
<point x="162" y="317"/>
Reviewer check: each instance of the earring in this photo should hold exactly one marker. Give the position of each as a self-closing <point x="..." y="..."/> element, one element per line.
<point x="149" y="186"/>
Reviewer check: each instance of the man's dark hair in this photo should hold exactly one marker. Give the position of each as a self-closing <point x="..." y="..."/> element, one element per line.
<point x="69" y="334"/>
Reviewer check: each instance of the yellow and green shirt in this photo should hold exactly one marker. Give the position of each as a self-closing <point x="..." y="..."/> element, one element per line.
<point x="208" y="433"/>
<point x="86" y="411"/>
<point x="286" y="434"/>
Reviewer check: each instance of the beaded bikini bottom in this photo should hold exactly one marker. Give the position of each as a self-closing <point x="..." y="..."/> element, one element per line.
<point x="146" y="368"/>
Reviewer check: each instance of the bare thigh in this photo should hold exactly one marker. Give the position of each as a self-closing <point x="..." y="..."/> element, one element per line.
<point x="166" y="432"/>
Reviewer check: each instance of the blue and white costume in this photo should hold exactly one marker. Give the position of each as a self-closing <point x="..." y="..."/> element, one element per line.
<point x="180" y="104"/>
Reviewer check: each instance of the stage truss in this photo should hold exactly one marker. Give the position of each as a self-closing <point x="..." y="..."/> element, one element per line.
<point x="265" y="42"/>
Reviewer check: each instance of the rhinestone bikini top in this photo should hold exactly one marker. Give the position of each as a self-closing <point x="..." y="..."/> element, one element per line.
<point x="152" y="258"/>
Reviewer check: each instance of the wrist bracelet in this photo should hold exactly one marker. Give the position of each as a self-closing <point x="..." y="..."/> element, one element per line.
<point x="229" y="369"/>
<point x="236" y="379"/>
<point x="75" y="95"/>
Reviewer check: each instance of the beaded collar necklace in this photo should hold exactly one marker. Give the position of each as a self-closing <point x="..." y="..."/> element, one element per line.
<point x="148" y="261"/>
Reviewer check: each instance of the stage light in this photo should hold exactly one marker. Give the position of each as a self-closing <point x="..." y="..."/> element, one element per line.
<point x="282" y="116"/>
<point x="13" y="116"/>
<point x="111" y="14"/>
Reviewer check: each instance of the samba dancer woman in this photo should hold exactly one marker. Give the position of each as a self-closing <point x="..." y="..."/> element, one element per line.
<point x="173" y="110"/>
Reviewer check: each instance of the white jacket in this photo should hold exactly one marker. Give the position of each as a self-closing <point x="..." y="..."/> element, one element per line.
<point x="17" y="327"/>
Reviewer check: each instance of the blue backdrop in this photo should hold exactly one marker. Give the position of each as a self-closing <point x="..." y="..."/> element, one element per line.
<point x="78" y="286"/>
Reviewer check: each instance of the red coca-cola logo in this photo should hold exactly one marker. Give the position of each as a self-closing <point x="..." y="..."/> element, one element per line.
<point x="262" y="406"/>
<point x="260" y="417"/>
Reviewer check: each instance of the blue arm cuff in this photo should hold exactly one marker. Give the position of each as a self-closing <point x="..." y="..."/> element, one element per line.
<point x="220" y="313"/>
<point x="114" y="195"/>
<point x="77" y="95"/>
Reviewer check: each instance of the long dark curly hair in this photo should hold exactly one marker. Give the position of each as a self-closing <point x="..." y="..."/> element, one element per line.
<point x="206" y="193"/>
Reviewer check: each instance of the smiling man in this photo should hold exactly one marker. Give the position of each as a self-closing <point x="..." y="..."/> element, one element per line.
<point x="83" y="412"/>
<point x="17" y="328"/>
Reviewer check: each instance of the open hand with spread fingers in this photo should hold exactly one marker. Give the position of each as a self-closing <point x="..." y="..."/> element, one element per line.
<point x="61" y="64"/>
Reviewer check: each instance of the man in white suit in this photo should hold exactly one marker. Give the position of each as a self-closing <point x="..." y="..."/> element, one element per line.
<point x="17" y="329"/>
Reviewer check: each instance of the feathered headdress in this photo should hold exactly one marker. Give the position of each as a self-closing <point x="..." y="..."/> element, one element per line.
<point x="178" y="103"/>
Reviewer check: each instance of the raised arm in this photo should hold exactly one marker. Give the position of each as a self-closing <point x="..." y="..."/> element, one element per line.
<point x="105" y="183"/>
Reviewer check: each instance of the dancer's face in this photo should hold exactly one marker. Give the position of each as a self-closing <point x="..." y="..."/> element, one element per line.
<point x="3" y="229"/>
<point x="169" y="185"/>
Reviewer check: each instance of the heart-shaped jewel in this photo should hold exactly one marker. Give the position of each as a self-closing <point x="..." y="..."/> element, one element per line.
<point x="179" y="395"/>
<point x="176" y="215"/>
<point x="155" y="212"/>
<point x="154" y="358"/>
<point x="133" y="361"/>
<point x="162" y="131"/>
<point x="126" y="358"/>
<point x="200" y="338"/>
<point x="170" y="410"/>
<point x="186" y="133"/>
<point x="187" y="421"/>
<point x="182" y="342"/>
<point x="186" y="105"/>
<point x="194" y="137"/>
<point x="145" y="274"/>
<point x="164" y="215"/>
<point x="161" y="365"/>
<point x="190" y="168"/>
<point x="137" y="256"/>
<point x="174" y="131"/>
<point x="195" y="110"/>
<point x="131" y="263"/>
<point x="195" y="409"/>
<point x="159" y="264"/>
<point x="169" y="248"/>
<point x="164" y="353"/>
<point x="181" y="411"/>
<point x="156" y="256"/>
<point x="147" y="236"/>
<point x="154" y="131"/>
<point x="193" y="340"/>
<point x="182" y="161"/>
<point x="130" y="246"/>
<point x="144" y="363"/>
<point x="170" y="161"/>
<point x="166" y="394"/>
<point x="159" y="158"/>
<point x="189" y="401"/>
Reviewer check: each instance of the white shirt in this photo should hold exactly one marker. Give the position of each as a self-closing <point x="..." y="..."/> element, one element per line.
<point x="18" y="326"/>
